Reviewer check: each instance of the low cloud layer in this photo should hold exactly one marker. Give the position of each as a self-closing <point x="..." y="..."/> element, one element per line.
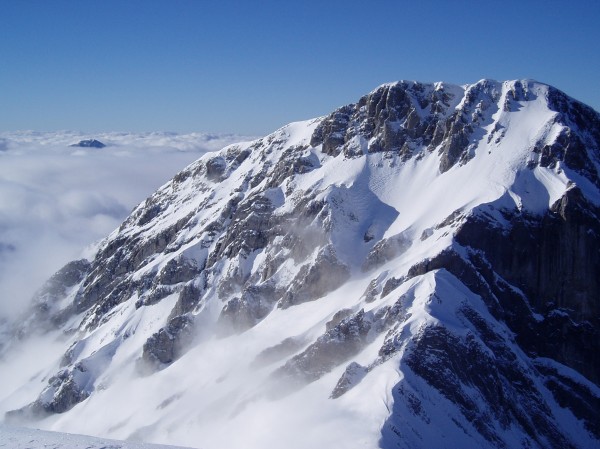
<point x="56" y="199"/>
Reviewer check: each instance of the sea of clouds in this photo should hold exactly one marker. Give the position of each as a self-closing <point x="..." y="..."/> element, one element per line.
<point x="56" y="199"/>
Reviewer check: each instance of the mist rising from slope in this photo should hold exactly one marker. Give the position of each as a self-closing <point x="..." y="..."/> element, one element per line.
<point x="56" y="199"/>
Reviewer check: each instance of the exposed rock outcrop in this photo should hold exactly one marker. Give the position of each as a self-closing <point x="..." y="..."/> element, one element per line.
<point x="166" y="345"/>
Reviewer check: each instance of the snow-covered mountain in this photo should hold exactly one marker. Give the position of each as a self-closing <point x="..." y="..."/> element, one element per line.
<point x="417" y="269"/>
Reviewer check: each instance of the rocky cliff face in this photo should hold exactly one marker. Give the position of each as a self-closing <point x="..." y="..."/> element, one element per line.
<point x="433" y="245"/>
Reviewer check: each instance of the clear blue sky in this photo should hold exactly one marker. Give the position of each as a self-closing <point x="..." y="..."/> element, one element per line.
<point x="252" y="66"/>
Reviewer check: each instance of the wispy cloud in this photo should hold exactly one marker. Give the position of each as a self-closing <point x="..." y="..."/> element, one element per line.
<point x="56" y="199"/>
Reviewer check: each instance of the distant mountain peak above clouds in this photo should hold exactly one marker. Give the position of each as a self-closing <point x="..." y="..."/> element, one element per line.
<point x="88" y="143"/>
<point x="32" y="140"/>
<point x="417" y="269"/>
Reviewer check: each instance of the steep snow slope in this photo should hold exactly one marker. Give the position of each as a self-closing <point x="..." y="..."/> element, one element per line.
<point x="426" y="258"/>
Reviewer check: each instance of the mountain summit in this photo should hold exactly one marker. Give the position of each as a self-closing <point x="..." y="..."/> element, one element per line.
<point x="418" y="269"/>
<point x="89" y="143"/>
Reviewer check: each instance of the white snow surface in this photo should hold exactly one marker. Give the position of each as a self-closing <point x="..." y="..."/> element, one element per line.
<point x="23" y="438"/>
<point x="214" y="396"/>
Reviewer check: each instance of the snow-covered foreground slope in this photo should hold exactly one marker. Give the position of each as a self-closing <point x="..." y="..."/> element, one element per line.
<point x="21" y="438"/>
<point x="418" y="269"/>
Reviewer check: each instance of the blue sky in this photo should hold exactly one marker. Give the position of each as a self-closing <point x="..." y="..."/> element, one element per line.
<point x="252" y="66"/>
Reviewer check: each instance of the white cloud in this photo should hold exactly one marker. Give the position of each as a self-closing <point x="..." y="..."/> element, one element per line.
<point x="56" y="199"/>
